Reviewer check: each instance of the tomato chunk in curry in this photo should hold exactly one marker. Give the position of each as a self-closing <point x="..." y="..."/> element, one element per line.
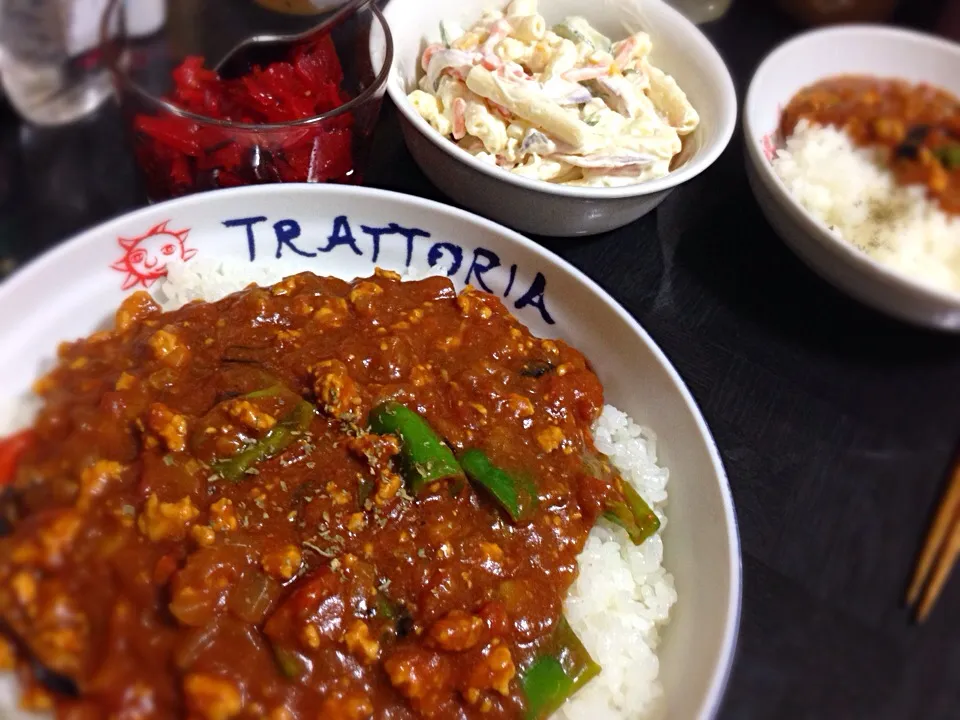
<point x="147" y="569"/>
<point x="916" y="127"/>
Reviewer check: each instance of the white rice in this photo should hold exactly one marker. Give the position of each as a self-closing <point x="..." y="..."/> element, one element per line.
<point x="17" y="413"/>
<point x="623" y="595"/>
<point x="848" y="189"/>
<point x="211" y="280"/>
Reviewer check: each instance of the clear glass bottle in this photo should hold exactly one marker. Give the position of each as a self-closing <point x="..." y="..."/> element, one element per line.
<point x="50" y="67"/>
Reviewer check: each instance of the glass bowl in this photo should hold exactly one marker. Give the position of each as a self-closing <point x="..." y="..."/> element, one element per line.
<point x="181" y="151"/>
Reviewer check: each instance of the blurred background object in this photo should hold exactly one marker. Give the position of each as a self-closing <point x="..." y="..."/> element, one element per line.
<point x="826" y="12"/>
<point x="301" y="7"/>
<point x="949" y="24"/>
<point x="702" y="11"/>
<point x="50" y="65"/>
<point x="10" y="193"/>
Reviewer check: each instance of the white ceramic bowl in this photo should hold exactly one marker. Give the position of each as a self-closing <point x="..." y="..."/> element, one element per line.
<point x="75" y="289"/>
<point x="539" y="207"/>
<point x="853" y="49"/>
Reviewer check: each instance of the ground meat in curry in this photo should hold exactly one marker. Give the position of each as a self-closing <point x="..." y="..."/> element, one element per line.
<point x="916" y="127"/>
<point x="162" y="581"/>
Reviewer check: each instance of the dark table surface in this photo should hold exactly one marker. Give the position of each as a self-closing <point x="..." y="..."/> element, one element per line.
<point x="836" y="425"/>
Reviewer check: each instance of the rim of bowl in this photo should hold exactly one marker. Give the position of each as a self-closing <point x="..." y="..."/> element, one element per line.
<point x="369" y="93"/>
<point x="864" y="262"/>
<point x="704" y="158"/>
<point x="710" y="705"/>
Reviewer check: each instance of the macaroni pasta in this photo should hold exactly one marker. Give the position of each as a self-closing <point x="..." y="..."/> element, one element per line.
<point x="562" y="104"/>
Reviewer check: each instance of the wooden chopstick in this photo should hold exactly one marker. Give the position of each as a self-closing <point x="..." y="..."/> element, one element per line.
<point x="940" y="550"/>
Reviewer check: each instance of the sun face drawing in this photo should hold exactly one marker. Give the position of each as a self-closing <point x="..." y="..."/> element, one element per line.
<point x="146" y="258"/>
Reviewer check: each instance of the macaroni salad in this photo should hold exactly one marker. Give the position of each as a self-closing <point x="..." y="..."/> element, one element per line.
<point x="563" y="104"/>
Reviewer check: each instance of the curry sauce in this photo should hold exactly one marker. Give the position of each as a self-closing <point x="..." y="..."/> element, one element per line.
<point x="203" y="523"/>
<point x="915" y="127"/>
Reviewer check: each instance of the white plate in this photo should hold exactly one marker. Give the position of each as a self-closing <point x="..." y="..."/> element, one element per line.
<point x="75" y="289"/>
<point x="858" y="50"/>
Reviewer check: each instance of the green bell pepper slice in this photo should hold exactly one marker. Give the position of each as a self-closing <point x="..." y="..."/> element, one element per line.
<point x="557" y="674"/>
<point x="424" y="456"/>
<point x="517" y="495"/>
<point x="278" y="439"/>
